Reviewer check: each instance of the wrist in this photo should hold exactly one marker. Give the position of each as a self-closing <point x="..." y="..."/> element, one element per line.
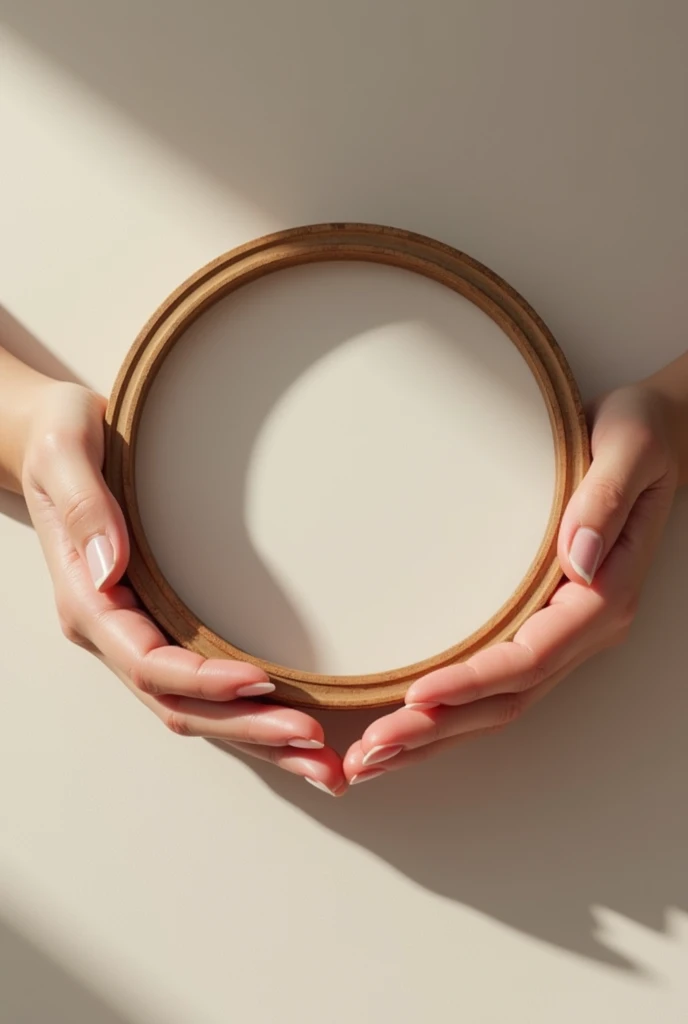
<point x="21" y="412"/>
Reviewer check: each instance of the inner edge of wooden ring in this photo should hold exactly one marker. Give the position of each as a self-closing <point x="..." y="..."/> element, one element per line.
<point x="364" y="243"/>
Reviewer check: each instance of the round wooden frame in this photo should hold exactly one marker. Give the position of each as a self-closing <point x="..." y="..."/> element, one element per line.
<point x="362" y="242"/>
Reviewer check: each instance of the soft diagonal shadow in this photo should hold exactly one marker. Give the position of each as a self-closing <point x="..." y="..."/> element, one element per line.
<point x="25" y="346"/>
<point x="35" y="989"/>
<point x="212" y="398"/>
<point x="584" y="801"/>
<point x="580" y="804"/>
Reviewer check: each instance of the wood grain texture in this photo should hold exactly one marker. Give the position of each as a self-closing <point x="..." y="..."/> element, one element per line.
<point x="333" y="242"/>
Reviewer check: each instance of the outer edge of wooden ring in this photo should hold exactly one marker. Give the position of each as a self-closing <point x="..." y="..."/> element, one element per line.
<point x="337" y="242"/>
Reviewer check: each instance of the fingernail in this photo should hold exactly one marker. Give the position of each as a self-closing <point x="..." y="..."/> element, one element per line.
<point x="100" y="558"/>
<point x="319" y="785"/>
<point x="378" y="754"/>
<point x="256" y="690"/>
<point x="364" y="776"/>
<point x="306" y="744"/>
<point x="585" y="553"/>
<point x="427" y="706"/>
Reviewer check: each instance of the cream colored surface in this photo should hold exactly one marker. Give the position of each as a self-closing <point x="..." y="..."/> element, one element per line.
<point x="539" y="877"/>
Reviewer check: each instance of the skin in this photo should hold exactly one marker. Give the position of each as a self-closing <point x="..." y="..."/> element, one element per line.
<point x="51" y="450"/>
<point x="640" y="457"/>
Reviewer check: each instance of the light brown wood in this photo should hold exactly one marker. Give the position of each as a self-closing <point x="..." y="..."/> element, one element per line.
<point x="370" y="243"/>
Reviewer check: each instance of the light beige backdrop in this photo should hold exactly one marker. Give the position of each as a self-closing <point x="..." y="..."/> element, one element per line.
<point x="538" y="877"/>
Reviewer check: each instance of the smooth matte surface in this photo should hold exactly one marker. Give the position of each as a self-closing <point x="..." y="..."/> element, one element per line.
<point x="537" y="878"/>
<point x="359" y="462"/>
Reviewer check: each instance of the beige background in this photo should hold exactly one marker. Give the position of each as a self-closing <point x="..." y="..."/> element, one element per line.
<point x="538" y="877"/>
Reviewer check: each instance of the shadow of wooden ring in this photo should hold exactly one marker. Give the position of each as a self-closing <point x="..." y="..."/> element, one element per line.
<point x="337" y="242"/>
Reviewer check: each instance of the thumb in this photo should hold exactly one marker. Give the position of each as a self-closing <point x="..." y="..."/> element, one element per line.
<point x="622" y="469"/>
<point x="88" y="512"/>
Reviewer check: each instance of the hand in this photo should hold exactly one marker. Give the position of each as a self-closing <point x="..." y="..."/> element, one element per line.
<point x="84" y="539"/>
<point x="607" y="540"/>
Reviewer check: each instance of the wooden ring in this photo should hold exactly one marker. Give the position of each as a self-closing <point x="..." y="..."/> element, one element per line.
<point x="369" y="243"/>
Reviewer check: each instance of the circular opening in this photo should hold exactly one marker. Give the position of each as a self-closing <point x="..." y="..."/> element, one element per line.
<point x="344" y="468"/>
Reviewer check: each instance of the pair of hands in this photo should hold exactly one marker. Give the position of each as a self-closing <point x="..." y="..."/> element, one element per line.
<point x="607" y="540"/>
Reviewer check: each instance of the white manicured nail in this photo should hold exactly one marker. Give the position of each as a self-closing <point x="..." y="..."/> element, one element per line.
<point x="100" y="558"/>
<point x="306" y="744"/>
<point x="585" y="553"/>
<point x="364" y="776"/>
<point x="256" y="690"/>
<point x="319" y="785"/>
<point x="382" y="753"/>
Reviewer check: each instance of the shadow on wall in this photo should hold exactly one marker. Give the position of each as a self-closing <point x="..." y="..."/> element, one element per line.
<point x="584" y="801"/>
<point x="581" y="804"/>
<point x="34" y="989"/>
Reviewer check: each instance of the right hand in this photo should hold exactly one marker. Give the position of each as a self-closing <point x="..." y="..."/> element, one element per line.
<point x="84" y="540"/>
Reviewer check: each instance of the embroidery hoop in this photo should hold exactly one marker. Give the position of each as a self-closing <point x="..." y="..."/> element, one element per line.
<point x="314" y="244"/>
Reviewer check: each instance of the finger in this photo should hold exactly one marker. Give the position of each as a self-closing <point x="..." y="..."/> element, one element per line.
<point x="322" y="769"/>
<point x="175" y="671"/>
<point x="546" y="643"/>
<point x="578" y="621"/>
<point x="407" y="729"/>
<point x="390" y="741"/>
<point x="630" y="559"/>
<point x="238" y="721"/>
<point x="73" y="483"/>
<point x="356" y="773"/>
<point x="624" y="465"/>
<point x="241" y="721"/>
<point x="128" y="639"/>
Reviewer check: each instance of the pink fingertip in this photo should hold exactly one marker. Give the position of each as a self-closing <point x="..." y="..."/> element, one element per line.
<point x="320" y="785"/>
<point x="256" y="690"/>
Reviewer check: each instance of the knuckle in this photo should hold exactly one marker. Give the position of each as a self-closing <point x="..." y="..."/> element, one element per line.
<point x="472" y="689"/>
<point x="472" y="692"/>
<point x="79" y="509"/>
<point x="625" y="618"/>
<point x="510" y="708"/>
<point x="141" y="680"/>
<point x="71" y="631"/>
<point x="538" y="673"/>
<point x="69" y="626"/>
<point x="621" y="614"/>
<point x="53" y="444"/>
<point x="437" y="729"/>
<point x="201" y="686"/>
<point x="611" y="498"/>
<point x="252" y="727"/>
<point x="647" y="440"/>
<point x="535" y="673"/>
<point x="176" y="722"/>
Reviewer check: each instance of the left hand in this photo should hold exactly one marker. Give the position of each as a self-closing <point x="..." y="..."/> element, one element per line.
<point x="84" y="539"/>
<point x="613" y="524"/>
